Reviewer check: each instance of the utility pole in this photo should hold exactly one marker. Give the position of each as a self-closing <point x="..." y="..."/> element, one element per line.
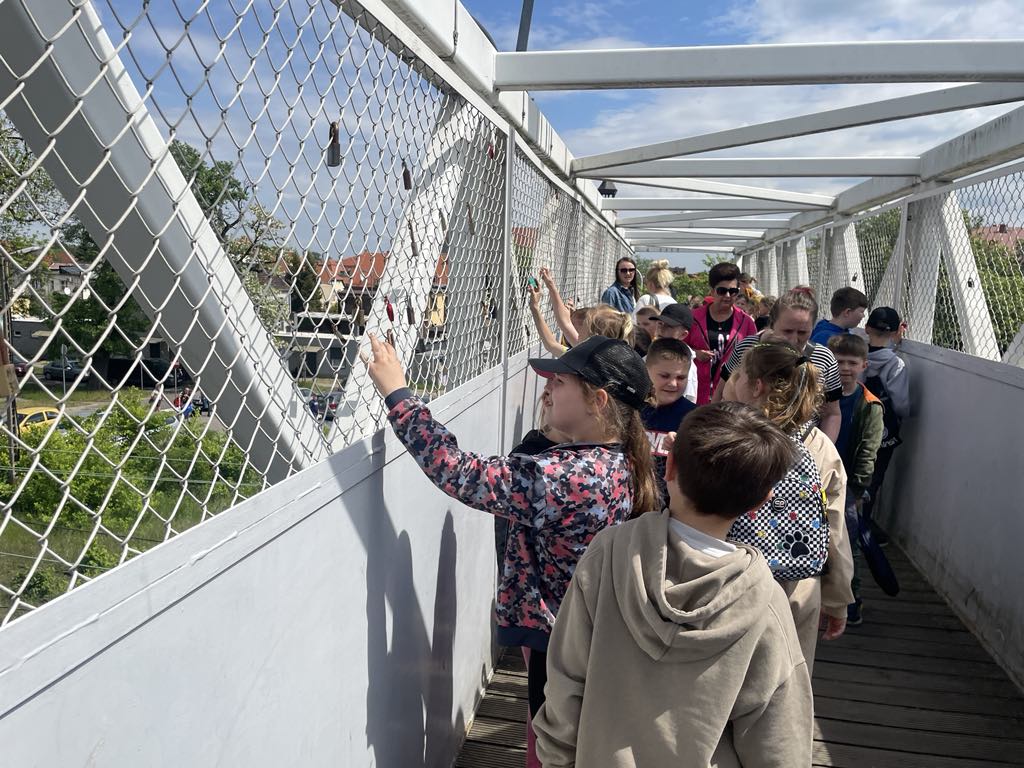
<point x="524" y="25"/>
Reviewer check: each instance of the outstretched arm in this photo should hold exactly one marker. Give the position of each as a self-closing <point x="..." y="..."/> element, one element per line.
<point x="547" y="338"/>
<point x="563" y="316"/>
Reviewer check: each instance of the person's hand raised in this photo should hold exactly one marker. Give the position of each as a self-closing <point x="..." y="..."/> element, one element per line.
<point x="546" y="276"/>
<point x="533" y="293"/>
<point x="384" y="367"/>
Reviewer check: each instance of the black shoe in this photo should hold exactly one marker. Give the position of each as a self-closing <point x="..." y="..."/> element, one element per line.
<point x="881" y="537"/>
<point x="853" y="613"/>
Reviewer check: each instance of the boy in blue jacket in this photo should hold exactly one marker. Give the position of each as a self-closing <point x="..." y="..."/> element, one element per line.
<point x="668" y="365"/>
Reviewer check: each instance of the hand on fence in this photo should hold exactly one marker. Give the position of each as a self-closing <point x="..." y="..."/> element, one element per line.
<point x="384" y="367"/>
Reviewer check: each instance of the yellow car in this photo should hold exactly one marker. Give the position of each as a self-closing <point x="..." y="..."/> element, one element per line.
<point x="34" y="417"/>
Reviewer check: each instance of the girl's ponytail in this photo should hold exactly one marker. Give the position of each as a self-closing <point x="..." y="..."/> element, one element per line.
<point x="794" y="392"/>
<point x="625" y="424"/>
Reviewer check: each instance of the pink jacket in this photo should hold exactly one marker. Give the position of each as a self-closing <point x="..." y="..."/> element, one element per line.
<point x="708" y="373"/>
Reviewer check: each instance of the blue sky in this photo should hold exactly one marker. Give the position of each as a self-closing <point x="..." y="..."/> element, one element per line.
<point x="599" y="121"/>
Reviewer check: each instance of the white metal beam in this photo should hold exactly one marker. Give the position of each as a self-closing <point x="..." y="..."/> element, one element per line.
<point x="740" y="233"/>
<point x="685" y="248"/>
<point x="918" y="61"/>
<point x="755" y="224"/>
<point x="758" y="167"/>
<point x="735" y="190"/>
<point x="997" y="141"/>
<point x="900" y="108"/>
<point x="700" y="204"/>
<point x="725" y="218"/>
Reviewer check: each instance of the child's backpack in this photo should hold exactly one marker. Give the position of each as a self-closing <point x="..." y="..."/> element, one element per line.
<point x="791" y="528"/>
<point x="890" y="421"/>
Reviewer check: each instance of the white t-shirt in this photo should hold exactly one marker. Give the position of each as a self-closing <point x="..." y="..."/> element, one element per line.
<point x="691" y="380"/>
<point x="654" y="300"/>
<point x="699" y="540"/>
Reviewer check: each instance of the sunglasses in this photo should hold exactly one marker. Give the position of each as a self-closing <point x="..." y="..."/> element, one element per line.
<point x="726" y="291"/>
<point x="626" y="271"/>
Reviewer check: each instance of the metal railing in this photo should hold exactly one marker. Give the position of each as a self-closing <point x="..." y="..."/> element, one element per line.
<point x="203" y="212"/>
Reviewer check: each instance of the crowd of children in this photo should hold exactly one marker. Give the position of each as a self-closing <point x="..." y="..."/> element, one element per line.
<point x="682" y="524"/>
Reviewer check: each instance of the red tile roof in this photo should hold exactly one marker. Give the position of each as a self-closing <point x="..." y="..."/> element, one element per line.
<point x="363" y="272"/>
<point x="1001" y="234"/>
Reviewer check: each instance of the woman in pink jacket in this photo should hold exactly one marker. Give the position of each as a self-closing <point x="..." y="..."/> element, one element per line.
<point x="717" y="327"/>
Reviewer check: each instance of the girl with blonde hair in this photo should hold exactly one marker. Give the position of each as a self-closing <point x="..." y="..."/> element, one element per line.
<point x="658" y="281"/>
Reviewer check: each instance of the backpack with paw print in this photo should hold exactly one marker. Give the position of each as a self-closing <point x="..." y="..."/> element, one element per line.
<point x="791" y="528"/>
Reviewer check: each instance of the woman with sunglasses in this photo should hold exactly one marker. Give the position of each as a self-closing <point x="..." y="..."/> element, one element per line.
<point x="717" y="327"/>
<point x="624" y="292"/>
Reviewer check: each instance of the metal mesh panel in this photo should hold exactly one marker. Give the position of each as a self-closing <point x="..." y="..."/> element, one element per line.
<point x="951" y="263"/>
<point x="552" y="230"/>
<point x="227" y="198"/>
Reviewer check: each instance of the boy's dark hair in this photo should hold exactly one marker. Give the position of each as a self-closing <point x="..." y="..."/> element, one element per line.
<point x="670" y="349"/>
<point x="728" y="457"/>
<point x="640" y="340"/>
<point x="848" y="345"/>
<point x="847" y="298"/>
<point x="722" y="272"/>
<point x="648" y="310"/>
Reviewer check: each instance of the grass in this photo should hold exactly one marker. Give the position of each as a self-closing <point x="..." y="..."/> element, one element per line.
<point x="19" y="548"/>
<point x="33" y="395"/>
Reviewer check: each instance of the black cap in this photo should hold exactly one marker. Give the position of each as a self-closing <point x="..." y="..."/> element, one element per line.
<point x="610" y="364"/>
<point x="884" y="319"/>
<point x="679" y="315"/>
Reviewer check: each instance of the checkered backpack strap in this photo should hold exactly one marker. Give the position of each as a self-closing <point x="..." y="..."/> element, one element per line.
<point x="791" y="528"/>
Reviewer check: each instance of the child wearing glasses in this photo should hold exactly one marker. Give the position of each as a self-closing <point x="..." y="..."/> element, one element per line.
<point x="717" y="328"/>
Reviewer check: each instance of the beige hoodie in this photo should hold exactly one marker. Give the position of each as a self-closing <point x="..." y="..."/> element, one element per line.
<point x="664" y="656"/>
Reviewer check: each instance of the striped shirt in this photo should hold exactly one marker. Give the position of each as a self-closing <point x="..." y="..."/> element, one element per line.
<point x="818" y="354"/>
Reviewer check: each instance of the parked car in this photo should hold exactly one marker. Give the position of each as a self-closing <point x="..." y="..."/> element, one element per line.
<point x="331" y="404"/>
<point x="68" y="370"/>
<point x="201" y="403"/>
<point x="36" y="416"/>
<point x="21" y="368"/>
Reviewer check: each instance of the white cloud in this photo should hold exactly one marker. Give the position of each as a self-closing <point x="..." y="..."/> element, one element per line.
<point x="650" y="116"/>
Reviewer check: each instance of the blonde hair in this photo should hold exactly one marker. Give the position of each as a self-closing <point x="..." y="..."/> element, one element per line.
<point x="659" y="276"/>
<point x="605" y="320"/>
<point x="794" y="393"/>
<point x="800" y="298"/>
<point x="625" y="424"/>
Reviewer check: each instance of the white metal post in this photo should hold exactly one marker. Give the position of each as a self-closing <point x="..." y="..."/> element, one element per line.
<point x="976" y="331"/>
<point x="801" y="275"/>
<point x="506" y="269"/>
<point x="844" y="266"/>
<point x="924" y="245"/>
<point x="771" y="284"/>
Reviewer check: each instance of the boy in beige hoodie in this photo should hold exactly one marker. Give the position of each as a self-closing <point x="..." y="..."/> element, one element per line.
<point x="674" y="647"/>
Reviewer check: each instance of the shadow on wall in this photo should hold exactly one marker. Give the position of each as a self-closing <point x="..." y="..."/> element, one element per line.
<point x="410" y="685"/>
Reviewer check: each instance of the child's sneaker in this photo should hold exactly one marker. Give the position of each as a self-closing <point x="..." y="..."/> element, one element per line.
<point x="881" y="537"/>
<point x="853" y="613"/>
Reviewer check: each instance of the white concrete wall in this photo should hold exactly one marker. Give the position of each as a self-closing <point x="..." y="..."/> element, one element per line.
<point x="955" y="491"/>
<point x="341" y="618"/>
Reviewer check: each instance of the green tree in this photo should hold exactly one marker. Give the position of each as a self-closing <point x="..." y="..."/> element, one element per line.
<point x="305" y="289"/>
<point x="85" y="321"/>
<point x="221" y="195"/>
<point x="31" y="207"/>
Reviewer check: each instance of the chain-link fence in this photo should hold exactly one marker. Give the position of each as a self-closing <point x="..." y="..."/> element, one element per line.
<point x="204" y="210"/>
<point x="951" y="262"/>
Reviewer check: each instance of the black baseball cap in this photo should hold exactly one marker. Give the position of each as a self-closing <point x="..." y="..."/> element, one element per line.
<point x="610" y="364"/>
<point x="884" y="319"/>
<point x="679" y="315"/>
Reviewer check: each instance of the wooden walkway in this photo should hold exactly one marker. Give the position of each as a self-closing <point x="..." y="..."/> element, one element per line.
<point x="909" y="688"/>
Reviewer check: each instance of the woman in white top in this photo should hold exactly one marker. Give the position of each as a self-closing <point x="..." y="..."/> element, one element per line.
<point x="657" y="281"/>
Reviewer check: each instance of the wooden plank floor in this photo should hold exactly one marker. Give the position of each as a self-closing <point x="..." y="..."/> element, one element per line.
<point x="909" y="688"/>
